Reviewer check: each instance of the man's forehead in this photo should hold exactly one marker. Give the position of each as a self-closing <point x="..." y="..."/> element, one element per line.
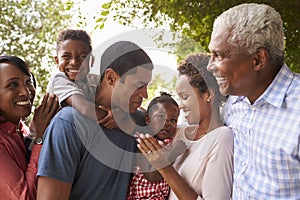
<point x="142" y="75"/>
<point x="218" y="40"/>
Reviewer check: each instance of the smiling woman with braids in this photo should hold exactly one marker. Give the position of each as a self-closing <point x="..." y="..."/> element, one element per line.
<point x="17" y="92"/>
<point x="204" y="170"/>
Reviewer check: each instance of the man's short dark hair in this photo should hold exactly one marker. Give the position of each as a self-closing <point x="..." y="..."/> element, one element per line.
<point x="123" y="57"/>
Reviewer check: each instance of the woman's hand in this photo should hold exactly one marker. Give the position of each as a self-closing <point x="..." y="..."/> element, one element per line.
<point x="158" y="153"/>
<point x="43" y="114"/>
<point x="154" y="150"/>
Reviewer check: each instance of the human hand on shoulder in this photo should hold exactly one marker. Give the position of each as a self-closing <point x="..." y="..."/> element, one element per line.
<point x="142" y="109"/>
<point x="108" y="120"/>
<point x="43" y="115"/>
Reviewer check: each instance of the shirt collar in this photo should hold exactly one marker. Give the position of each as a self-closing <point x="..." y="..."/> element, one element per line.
<point x="10" y="128"/>
<point x="7" y="127"/>
<point x="276" y="92"/>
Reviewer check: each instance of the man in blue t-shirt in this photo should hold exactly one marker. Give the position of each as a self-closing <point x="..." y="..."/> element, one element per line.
<point x="83" y="160"/>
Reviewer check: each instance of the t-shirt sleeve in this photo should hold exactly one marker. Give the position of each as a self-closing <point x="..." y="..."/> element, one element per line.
<point x="219" y="169"/>
<point x="62" y="87"/>
<point x="60" y="155"/>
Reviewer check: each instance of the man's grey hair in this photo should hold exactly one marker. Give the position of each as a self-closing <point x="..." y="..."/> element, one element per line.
<point x="253" y="26"/>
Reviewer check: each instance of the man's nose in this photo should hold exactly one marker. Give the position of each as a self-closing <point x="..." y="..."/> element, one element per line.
<point x="143" y="92"/>
<point x="210" y="65"/>
<point x="167" y="122"/>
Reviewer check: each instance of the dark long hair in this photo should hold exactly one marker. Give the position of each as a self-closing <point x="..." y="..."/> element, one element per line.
<point x="20" y="64"/>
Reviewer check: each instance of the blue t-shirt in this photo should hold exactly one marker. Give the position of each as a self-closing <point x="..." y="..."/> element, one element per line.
<point x="97" y="161"/>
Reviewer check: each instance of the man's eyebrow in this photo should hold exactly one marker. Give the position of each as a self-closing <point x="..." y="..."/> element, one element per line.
<point x="66" y="53"/>
<point x="143" y="82"/>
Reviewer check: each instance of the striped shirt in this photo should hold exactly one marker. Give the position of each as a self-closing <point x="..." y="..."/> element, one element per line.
<point x="267" y="140"/>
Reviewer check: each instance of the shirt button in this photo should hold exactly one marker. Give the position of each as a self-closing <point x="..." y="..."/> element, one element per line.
<point x="240" y="195"/>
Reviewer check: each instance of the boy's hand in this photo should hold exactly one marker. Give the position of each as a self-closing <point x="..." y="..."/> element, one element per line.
<point x="108" y="121"/>
<point x="142" y="109"/>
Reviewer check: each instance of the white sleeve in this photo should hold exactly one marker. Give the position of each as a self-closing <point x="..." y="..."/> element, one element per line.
<point x="62" y="87"/>
<point x="217" y="179"/>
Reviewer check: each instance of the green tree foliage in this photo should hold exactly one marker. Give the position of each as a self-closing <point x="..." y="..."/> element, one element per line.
<point x="157" y="85"/>
<point x="194" y="18"/>
<point x="29" y="28"/>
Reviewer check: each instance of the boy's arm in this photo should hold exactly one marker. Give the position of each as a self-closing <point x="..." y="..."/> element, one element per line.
<point x="52" y="189"/>
<point x="101" y="114"/>
<point x="86" y="108"/>
<point x="68" y="92"/>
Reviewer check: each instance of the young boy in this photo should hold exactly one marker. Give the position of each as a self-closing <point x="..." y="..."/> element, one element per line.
<point x="161" y="118"/>
<point x="72" y="83"/>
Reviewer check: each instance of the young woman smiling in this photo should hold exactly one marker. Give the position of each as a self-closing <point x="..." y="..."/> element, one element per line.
<point x="17" y="92"/>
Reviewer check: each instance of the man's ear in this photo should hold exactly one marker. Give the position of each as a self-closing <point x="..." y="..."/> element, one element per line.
<point x="111" y="77"/>
<point x="56" y="60"/>
<point x="260" y="59"/>
<point x="147" y="119"/>
<point x="92" y="60"/>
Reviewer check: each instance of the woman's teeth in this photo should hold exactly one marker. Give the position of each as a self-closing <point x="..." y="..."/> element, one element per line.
<point x="23" y="103"/>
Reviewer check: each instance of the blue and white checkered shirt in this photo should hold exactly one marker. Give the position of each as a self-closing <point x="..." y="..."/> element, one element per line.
<point x="267" y="140"/>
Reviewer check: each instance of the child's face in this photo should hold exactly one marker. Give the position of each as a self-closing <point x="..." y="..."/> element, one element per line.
<point x="163" y="120"/>
<point x="73" y="59"/>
